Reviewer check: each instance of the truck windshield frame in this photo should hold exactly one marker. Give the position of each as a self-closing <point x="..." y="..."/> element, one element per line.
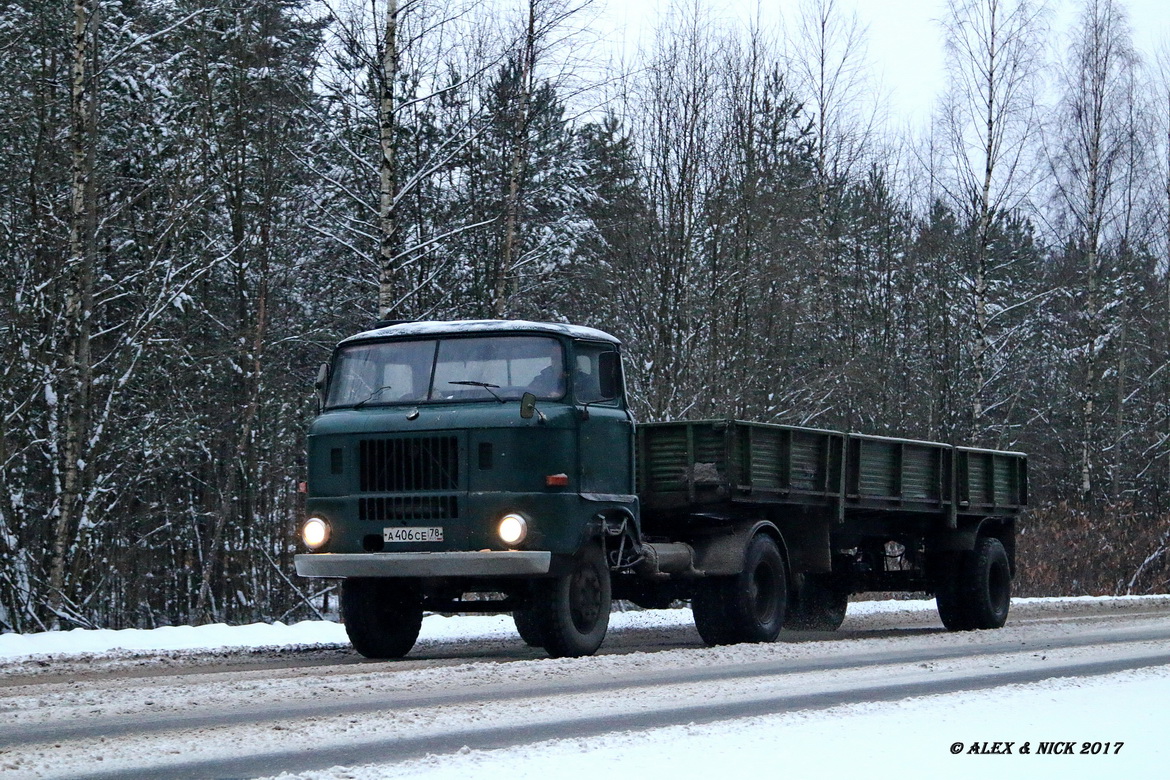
<point x="451" y="369"/>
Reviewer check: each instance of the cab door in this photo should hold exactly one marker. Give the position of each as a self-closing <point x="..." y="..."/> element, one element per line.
<point x="606" y="438"/>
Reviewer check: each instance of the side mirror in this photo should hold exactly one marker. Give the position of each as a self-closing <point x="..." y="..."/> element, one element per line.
<point x="609" y="378"/>
<point x="322" y="385"/>
<point x="527" y="406"/>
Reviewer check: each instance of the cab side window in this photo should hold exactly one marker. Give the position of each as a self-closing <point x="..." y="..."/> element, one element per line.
<point x="595" y="375"/>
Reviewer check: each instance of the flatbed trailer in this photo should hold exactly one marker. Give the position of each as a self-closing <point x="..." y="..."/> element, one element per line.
<point x="856" y="513"/>
<point x="495" y="466"/>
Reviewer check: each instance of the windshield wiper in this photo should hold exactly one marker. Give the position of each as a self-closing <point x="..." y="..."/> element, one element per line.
<point x="484" y="385"/>
<point x="370" y="397"/>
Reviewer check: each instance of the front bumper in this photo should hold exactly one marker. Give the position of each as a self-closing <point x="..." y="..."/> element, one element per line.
<point x="424" y="564"/>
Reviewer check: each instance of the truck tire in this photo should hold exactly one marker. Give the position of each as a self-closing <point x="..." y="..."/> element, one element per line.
<point x="710" y="613"/>
<point x="948" y="596"/>
<point x="572" y="611"/>
<point x="528" y="626"/>
<point x="749" y="606"/>
<point x="988" y="584"/>
<point x="977" y="594"/>
<point x="818" y="606"/>
<point x="382" y="616"/>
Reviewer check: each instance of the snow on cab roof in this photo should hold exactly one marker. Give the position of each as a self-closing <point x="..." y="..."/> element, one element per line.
<point x="459" y="327"/>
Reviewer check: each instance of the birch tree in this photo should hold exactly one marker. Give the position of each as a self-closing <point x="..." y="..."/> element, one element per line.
<point x="1087" y="166"/>
<point x="993" y="57"/>
<point x="830" y="51"/>
<point x="400" y="81"/>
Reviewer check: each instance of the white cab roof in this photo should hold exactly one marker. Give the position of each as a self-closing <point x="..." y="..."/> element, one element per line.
<point x="461" y="327"/>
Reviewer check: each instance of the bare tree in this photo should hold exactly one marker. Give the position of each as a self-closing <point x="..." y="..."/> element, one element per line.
<point x="1162" y="101"/>
<point x="541" y="21"/>
<point x="990" y="119"/>
<point x="77" y="380"/>
<point x="399" y="79"/>
<point x="676" y="112"/>
<point x="1088" y="166"/>
<point x="830" y="61"/>
<point x="389" y="283"/>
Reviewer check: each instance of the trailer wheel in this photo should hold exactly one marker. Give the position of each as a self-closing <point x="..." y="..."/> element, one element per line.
<point x="819" y="605"/>
<point x="948" y="595"/>
<point x="988" y="583"/>
<point x="572" y="611"/>
<point x="528" y="626"/>
<point x="975" y="590"/>
<point x="748" y="607"/>
<point x="382" y="616"/>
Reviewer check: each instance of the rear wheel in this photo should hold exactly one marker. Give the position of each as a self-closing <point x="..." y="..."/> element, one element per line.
<point x="710" y="613"/>
<point x="382" y="616"/>
<point x="748" y="607"/>
<point x="819" y="605"/>
<point x="572" y="611"/>
<point x="948" y="599"/>
<point x="974" y="588"/>
<point x="989" y="584"/>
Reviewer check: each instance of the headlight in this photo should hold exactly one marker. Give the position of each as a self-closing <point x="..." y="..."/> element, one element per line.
<point x="513" y="528"/>
<point x="315" y="532"/>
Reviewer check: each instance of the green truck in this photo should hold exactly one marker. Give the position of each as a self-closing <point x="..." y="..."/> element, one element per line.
<point x="494" y="466"/>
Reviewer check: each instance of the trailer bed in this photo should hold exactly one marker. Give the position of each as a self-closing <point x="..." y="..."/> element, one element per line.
<point x="696" y="465"/>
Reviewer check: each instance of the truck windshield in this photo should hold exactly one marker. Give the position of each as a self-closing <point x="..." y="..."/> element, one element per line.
<point x="452" y="369"/>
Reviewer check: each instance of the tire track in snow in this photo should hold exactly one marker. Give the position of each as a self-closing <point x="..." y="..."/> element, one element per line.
<point x="279" y="712"/>
<point x="403" y="749"/>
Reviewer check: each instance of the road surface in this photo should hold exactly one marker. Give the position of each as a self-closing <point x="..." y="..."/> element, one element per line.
<point x="251" y="714"/>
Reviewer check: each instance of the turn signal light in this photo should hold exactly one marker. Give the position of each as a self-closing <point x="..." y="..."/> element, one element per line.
<point x="557" y="480"/>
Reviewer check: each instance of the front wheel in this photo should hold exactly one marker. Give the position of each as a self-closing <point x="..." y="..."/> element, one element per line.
<point x="528" y="626"/>
<point x="747" y="607"/>
<point x="572" y="611"/>
<point x="382" y="616"/>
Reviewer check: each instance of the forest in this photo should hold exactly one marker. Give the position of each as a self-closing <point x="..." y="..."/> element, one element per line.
<point x="199" y="198"/>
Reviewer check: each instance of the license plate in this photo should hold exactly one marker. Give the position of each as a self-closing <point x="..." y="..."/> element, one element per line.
<point x="416" y="534"/>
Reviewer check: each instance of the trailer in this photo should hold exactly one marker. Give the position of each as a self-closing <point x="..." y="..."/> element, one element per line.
<point x="494" y="466"/>
<point x="853" y="513"/>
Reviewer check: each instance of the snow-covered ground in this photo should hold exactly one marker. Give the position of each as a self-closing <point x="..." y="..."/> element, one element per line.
<point x="1114" y="725"/>
<point x="435" y="629"/>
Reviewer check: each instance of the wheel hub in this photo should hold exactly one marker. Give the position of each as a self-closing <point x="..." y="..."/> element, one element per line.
<point x="762" y="592"/>
<point x="585" y="599"/>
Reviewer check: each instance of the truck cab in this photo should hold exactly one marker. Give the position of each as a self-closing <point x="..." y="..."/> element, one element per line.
<point x="452" y="458"/>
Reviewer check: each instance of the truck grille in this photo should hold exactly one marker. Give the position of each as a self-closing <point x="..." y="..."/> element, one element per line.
<point x="389" y="508"/>
<point x="408" y="465"/>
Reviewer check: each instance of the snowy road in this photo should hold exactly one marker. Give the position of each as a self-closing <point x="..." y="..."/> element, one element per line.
<point x="249" y="714"/>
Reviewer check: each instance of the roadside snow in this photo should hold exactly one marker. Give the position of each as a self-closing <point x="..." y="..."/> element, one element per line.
<point x="913" y="737"/>
<point x="436" y="629"/>
<point x="81" y="640"/>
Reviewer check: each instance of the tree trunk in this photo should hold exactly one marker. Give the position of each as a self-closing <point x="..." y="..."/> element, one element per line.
<point x="77" y="378"/>
<point x="516" y="166"/>
<point x="391" y="287"/>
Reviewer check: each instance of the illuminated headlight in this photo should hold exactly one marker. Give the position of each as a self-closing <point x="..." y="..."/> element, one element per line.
<point x="315" y="532"/>
<point x="513" y="528"/>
